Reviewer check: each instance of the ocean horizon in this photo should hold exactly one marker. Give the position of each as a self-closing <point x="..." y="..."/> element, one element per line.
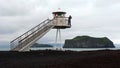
<point x="59" y="47"/>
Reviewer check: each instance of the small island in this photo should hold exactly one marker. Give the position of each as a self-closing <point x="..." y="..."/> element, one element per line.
<point x="40" y="45"/>
<point x="88" y="42"/>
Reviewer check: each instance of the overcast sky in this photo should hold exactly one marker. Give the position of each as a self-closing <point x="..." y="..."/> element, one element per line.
<point x="97" y="18"/>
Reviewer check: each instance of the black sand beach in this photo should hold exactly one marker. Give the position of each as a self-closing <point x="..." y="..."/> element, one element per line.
<point x="60" y="59"/>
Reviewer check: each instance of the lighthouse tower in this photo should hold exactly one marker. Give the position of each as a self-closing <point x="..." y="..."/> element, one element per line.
<point x="60" y="21"/>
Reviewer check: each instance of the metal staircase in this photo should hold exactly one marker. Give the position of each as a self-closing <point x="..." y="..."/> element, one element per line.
<point x="23" y="42"/>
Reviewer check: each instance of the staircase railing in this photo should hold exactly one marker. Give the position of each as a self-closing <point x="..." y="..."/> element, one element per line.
<point x="29" y="35"/>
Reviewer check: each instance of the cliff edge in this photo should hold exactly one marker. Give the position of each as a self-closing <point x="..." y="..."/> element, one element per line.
<point x="88" y="42"/>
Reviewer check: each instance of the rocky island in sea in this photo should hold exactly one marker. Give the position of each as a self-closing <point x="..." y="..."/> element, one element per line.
<point x="41" y="45"/>
<point x="88" y="42"/>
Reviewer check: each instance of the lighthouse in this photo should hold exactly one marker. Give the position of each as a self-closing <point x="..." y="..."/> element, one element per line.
<point x="60" y="21"/>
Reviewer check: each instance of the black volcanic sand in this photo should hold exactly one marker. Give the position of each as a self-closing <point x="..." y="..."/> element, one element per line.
<point x="60" y="59"/>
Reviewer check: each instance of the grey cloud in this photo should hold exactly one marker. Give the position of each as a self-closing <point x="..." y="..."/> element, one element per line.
<point x="7" y="31"/>
<point x="90" y="17"/>
<point x="106" y="3"/>
<point x="18" y="7"/>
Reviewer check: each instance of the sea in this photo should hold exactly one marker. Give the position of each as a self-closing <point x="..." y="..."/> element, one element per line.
<point x="59" y="47"/>
<point x="76" y="49"/>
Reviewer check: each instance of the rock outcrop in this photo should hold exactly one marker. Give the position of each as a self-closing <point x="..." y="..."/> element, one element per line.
<point x="88" y="42"/>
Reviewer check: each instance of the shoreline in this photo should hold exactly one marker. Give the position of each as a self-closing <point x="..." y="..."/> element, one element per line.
<point x="60" y="59"/>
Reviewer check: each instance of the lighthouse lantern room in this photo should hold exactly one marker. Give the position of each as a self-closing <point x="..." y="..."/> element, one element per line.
<point x="60" y="21"/>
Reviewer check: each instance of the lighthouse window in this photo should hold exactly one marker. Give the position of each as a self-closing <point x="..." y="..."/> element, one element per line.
<point x="59" y="14"/>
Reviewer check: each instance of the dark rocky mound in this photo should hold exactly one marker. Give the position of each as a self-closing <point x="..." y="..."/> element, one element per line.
<point x="41" y="45"/>
<point x="88" y="42"/>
